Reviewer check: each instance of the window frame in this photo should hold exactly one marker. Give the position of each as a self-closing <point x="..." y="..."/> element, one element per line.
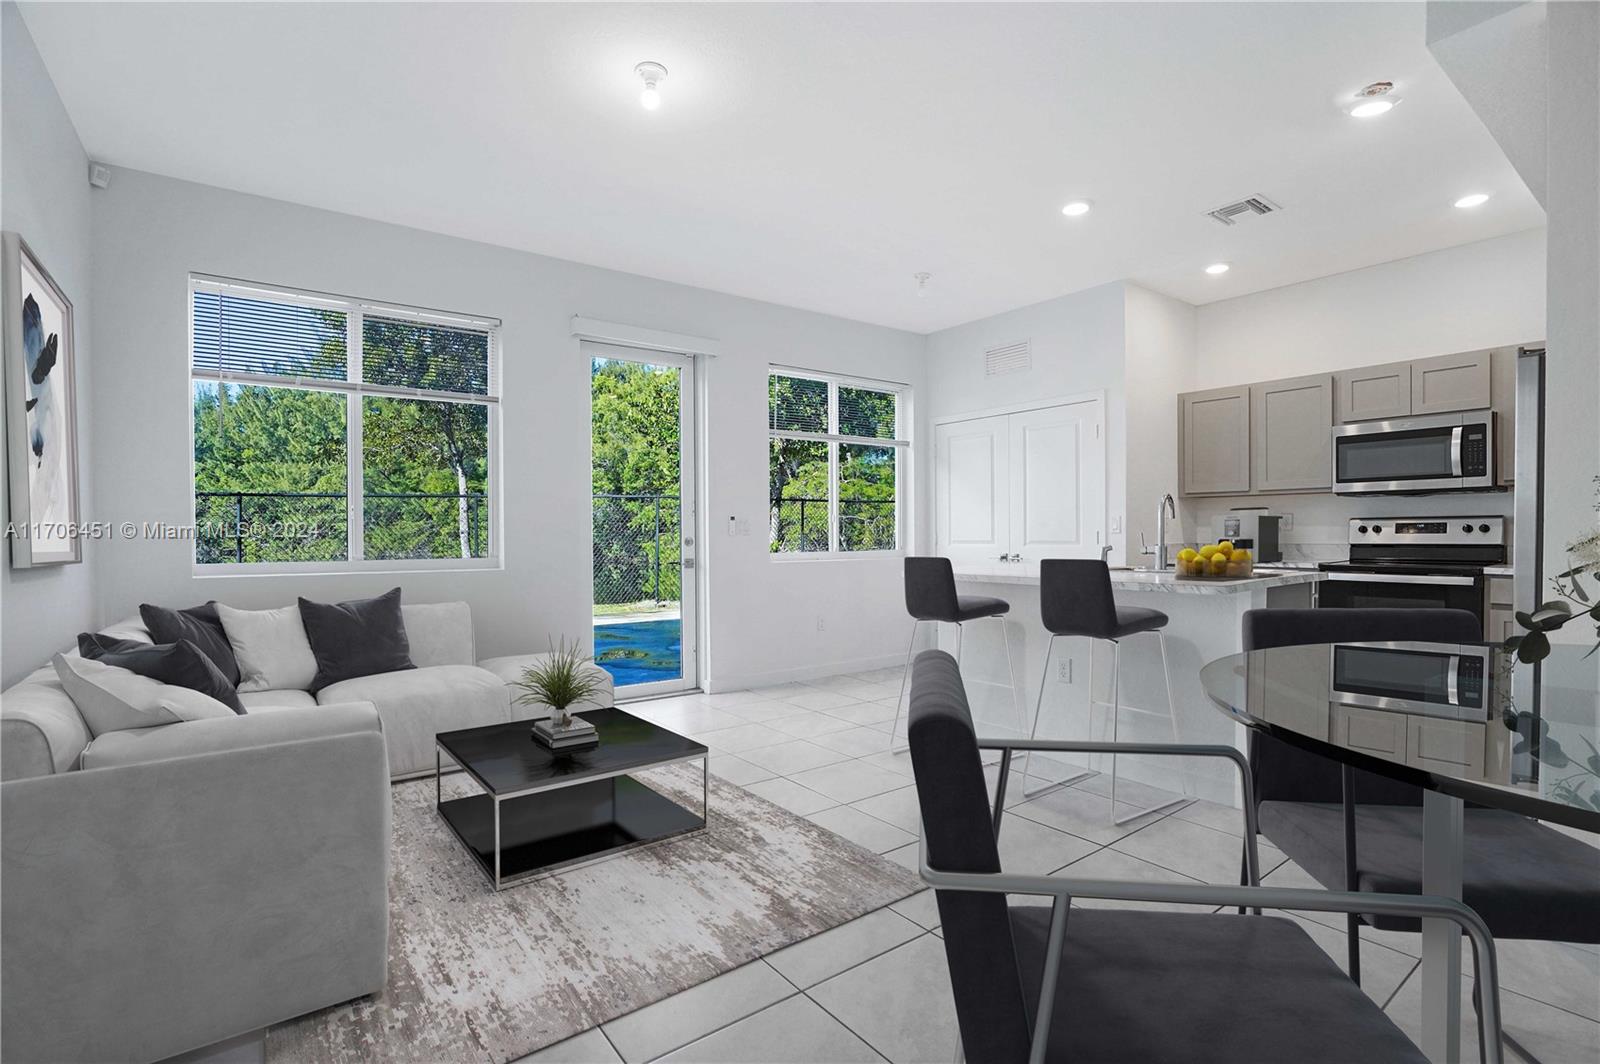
<point x="354" y="389"/>
<point x="902" y="442"/>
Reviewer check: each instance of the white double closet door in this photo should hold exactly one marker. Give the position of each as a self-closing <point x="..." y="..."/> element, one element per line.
<point x="1030" y="483"/>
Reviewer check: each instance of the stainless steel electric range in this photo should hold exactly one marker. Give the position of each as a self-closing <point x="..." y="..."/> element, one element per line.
<point x="1415" y="562"/>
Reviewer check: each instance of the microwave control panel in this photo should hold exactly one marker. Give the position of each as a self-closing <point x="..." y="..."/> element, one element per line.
<point x="1475" y="451"/>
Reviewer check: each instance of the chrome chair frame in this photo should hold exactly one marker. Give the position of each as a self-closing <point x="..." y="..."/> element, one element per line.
<point x="905" y="676"/>
<point x="1063" y="889"/>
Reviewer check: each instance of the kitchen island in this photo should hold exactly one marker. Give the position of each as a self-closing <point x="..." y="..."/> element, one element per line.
<point x="1205" y="625"/>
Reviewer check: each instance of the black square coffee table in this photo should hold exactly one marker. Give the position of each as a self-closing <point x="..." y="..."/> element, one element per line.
<point x="544" y="810"/>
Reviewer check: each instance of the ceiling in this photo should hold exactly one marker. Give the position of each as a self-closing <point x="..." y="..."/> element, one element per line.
<point x="816" y="155"/>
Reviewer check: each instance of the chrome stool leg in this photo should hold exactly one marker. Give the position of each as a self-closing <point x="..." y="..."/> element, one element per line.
<point x="905" y="677"/>
<point x="1011" y="677"/>
<point x="1033" y="733"/>
<point x="1116" y="713"/>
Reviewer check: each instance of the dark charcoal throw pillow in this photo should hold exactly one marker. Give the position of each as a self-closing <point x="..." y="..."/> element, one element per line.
<point x="357" y="638"/>
<point x="201" y="626"/>
<point x="181" y="664"/>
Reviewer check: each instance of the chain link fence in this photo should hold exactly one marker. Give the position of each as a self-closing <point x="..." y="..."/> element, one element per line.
<point x="638" y="559"/>
<point x="801" y="524"/>
<point x="257" y="526"/>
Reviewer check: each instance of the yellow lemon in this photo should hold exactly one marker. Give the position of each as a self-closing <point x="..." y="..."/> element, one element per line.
<point x="1188" y="554"/>
<point x="1207" y="551"/>
<point x="1241" y="555"/>
<point x="1219" y="564"/>
<point x="1225" y="546"/>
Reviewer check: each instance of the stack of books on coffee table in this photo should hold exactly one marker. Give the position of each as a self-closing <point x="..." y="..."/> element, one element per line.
<point x="575" y="736"/>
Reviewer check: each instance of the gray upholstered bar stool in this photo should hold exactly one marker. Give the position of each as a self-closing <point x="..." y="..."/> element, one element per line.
<point x="1075" y="598"/>
<point x="931" y="596"/>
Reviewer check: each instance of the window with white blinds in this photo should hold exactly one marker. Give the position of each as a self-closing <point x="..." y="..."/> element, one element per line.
<point x="835" y="454"/>
<point x="338" y="433"/>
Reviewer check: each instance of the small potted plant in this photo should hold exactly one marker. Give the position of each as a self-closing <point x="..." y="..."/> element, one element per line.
<point x="559" y="681"/>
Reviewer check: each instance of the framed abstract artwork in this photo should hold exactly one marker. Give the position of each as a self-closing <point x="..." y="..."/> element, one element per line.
<point x="41" y="413"/>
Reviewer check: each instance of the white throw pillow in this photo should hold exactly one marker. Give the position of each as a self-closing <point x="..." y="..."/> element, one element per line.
<point x="112" y="698"/>
<point x="271" y="645"/>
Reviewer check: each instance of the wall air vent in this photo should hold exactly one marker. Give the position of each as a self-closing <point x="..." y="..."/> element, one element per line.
<point x="1008" y="358"/>
<point x="1230" y="213"/>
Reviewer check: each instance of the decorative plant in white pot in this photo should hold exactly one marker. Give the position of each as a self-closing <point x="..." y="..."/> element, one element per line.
<point x="559" y="681"/>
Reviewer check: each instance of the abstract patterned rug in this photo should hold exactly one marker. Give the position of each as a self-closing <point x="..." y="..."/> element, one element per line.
<point x="480" y="976"/>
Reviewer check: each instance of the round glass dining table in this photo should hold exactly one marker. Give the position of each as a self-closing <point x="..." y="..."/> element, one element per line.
<point x="1465" y="722"/>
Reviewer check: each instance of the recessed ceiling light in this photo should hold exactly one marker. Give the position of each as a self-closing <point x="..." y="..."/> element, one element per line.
<point x="652" y="74"/>
<point x="1218" y="267"/>
<point x="1076" y="208"/>
<point x="1372" y="101"/>
<point x="922" y="280"/>
<point x="1476" y="199"/>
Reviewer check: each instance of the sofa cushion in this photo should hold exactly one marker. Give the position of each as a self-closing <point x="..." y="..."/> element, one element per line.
<point x="198" y="624"/>
<point x="509" y="669"/>
<point x="440" y="633"/>
<point x="112" y="698"/>
<point x="258" y="701"/>
<point x="182" y="664"/>
<point x="210" y="736"/>
<point x="361" y="637"/>
<point x="417" y="704"/>
<point x="41" y="731"/>
<point x="271" y="647"/>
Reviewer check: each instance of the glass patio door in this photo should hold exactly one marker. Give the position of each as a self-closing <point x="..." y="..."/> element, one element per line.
<point x="642" y="468"/>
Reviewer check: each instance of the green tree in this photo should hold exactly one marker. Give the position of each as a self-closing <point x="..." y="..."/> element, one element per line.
<point x="635" y="478"/>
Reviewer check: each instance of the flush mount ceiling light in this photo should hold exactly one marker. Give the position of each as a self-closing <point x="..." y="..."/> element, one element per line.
<point x="1218" y="268"/>
<point x="1076" y="208"/>
<point x="652" y="74"/>
<point x="1476" y="199"/>
<point x="922" y="280"/>
<point x="1374" y="100"/>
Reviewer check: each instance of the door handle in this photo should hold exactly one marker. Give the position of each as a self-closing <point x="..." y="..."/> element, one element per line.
<point x="688" y="563"/>
<point x="1455" y="451"/>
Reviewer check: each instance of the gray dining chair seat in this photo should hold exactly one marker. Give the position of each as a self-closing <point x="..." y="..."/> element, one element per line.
<point x="1526" y="880"/>
<point x="1131" y="620"/>
<point x="1198" y="987"/>
<point x="976" y="607"/>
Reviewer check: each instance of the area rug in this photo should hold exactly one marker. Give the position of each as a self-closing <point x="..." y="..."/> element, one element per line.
<point x="480" y="976"/>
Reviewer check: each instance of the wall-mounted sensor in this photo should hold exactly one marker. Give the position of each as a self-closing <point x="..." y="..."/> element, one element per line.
<point x="99" y="176"/>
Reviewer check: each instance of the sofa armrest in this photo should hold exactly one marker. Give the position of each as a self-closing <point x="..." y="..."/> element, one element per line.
<point x="155" y="907"/>
<point x="218" y="734"/>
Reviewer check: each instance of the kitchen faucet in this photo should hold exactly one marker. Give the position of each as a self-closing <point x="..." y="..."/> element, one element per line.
<point x="1163" y="508"/>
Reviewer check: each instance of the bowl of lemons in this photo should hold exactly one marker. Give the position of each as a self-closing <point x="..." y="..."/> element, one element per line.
<point x="1215" y="561"/>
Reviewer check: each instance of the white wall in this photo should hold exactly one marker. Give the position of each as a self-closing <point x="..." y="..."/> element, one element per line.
<point x="1484" y="294"/>
<point x="44" y="174"/>
<point x="1161" y="337"/>
<point x="150" y="232"/>
<point x="1077" y="348"/>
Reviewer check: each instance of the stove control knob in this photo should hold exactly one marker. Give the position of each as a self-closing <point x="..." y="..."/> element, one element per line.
<point x="1377" y="528"/>
<point x="1468" y="528"/>
<point x="1362" y="529"/>
<point x="1484" y="529"/>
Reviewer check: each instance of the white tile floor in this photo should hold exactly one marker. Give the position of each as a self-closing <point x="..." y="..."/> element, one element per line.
<point x="877" y="987"/>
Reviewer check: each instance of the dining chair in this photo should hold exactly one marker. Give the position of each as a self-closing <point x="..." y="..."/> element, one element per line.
<point x="931" y="597"/>
<point x="1030" y="983"/>
<point x="1356" y="830"/>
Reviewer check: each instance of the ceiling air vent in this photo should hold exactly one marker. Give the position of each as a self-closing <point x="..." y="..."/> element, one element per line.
<point x="1230" y="213"/>
<point x="1008" y="358"/>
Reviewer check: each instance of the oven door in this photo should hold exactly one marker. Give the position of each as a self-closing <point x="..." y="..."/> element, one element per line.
<point x="1387" y="591"/>
<point x="1447" y="452"/>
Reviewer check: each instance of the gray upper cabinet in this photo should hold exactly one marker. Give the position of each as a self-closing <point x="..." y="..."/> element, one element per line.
<point x="1374" y="392"/>
<point x="1503" y="386"/>
<point x="1214" y="435"/>
<point x="1450" y="382"/>
<point x="1291" y="424"/>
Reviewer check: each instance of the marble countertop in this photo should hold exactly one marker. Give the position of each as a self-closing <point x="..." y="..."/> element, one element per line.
<point x="1140" y="580"/>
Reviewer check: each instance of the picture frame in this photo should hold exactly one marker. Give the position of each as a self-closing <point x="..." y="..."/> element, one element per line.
<point x="41" y="411"/>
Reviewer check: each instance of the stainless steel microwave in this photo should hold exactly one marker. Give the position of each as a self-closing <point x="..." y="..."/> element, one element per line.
<point x="1433" y="679"/>
<point x="1440" y="452"/>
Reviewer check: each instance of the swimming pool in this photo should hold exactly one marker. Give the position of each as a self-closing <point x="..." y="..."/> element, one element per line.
<point x="640" y="651"/>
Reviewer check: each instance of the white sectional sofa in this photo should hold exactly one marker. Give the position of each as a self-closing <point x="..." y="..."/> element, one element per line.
<point x="171" y="887"/>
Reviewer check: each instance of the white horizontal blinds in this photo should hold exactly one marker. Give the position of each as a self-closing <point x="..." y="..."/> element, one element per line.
<point x="243" y="336"/>
<point x="425" y="357"/>
<point x="797" y="404"/>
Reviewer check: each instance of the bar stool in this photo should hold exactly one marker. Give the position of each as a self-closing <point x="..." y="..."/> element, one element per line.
<point x="1075" y="598"/>
<point x="931" y="596"/>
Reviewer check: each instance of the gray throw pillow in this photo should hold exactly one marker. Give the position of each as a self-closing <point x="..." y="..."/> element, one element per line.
<point x="201" y="626"/>
<point x="358" y="638"/>
<point x="112" y="699"/>
<point x="180" y="664"/>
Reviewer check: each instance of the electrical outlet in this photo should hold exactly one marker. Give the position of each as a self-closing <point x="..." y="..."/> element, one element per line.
<point x="822" y="625"/>
<point x="1064" y="670"/>
<point x="1286" y="522"/>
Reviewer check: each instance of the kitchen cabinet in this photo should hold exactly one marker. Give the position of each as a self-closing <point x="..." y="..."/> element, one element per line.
<point x="1214" y="437"/>
<point x="1503" y="391"/>
<point x="1291" y="445"/>
<point x="1500" y="621"/>
<point x="1448" y="383"/>
<point x="1372" y="731"/>
<point x="1031" y="483"/>
<point x="1453" y="746"/>
<point x="1374" y="392"/>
